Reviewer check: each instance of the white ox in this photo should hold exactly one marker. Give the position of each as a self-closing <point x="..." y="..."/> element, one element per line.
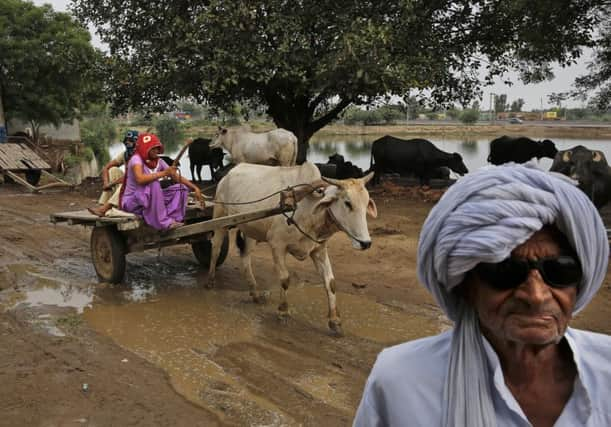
<point x="327" y="207"/>
<point x="276" y="147"/>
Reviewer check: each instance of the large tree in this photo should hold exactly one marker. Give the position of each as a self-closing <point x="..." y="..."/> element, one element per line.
<point x="598" y="80"/>
<point x="47" y="64"/>
<point x="307" y="60"/>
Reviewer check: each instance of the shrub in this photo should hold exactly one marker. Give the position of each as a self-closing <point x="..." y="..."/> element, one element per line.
<point x="97" y="132"/>
<point x="169" y="132"/>
<point x="390" y="114"/>
<point x="469" y="116"/>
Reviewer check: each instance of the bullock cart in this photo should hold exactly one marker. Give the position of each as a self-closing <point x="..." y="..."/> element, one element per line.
<point x="112" y="238"/>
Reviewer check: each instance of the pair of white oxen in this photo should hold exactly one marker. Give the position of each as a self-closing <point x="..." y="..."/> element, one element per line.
<point x="327" y="206"/>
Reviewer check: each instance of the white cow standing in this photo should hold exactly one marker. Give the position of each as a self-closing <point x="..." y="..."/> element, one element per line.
<point x="328" y="207"/>
<point x="276" y="147"/>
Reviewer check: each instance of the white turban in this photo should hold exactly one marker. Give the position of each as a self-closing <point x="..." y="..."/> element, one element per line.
<point x="482" y="218"/>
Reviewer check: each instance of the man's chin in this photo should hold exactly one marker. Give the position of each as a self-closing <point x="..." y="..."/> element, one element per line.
<point x="535" y="334"/>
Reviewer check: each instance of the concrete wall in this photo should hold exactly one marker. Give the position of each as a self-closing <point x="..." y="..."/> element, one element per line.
<point x="70" y="132"/>
<point x="83" y="170"/>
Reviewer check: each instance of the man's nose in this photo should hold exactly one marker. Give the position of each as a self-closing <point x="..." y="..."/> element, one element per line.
<point x="534" y="289"/>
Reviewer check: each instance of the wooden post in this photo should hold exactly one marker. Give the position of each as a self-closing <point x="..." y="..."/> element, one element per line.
<point x="3" y="130"/>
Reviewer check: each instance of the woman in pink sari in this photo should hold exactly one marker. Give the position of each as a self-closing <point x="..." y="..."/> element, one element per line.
<point x="142" y="195"/>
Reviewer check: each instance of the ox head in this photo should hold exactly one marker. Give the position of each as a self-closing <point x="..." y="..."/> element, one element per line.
<point x="547" y="148"/>
<point x="219" y="138"/>
<point x="457" y="165"/>
<point x="347" y="202"/>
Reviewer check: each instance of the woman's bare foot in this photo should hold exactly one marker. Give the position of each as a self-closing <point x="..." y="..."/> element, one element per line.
<point x="175" y="225"/>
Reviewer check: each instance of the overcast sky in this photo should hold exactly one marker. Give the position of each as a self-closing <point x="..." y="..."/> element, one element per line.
<point x="533" y="95"/>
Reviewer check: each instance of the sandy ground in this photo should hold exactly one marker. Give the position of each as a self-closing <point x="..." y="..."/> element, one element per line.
<point x="110" y="366"/>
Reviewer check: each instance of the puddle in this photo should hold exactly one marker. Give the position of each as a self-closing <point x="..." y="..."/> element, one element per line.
<point x="178" y="330"/>
<point x="59" y="296"/>
<point x="26" y="284"/>
<point x="181" y="330"/>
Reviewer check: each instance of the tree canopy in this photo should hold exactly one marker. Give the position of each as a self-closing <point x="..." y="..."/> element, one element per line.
<point x="307" y="60"/>
<point x="47" y="64"/>
<point x="500" y="102"/>
<point x="516" y="106"/>
<point x="599" y="77"/>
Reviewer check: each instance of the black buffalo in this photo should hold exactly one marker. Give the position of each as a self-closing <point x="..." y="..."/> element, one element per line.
<point x="519" y="149"/>
<point x="338" y="168"/>
<point x="412" y="157"/>
<point x="589" y="168"/>
<point x="344" y="169"/>
<point x="200" y="154"/>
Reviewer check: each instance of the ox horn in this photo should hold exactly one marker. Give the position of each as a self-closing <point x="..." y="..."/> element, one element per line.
<point x="367" y="178"/>
<point x="597" y="156"/>
<point x="336" y="182"/>
<point x="566" y="157"/>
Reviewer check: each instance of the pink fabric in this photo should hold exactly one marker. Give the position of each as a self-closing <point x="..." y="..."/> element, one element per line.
<point x="159" y="207"/>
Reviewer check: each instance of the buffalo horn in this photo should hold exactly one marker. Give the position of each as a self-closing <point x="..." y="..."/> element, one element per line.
<point x="596" y="156"/>
<point x="566" y="157"/>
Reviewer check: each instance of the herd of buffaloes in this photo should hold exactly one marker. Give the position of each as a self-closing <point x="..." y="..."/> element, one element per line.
<point x="421" y="159"/>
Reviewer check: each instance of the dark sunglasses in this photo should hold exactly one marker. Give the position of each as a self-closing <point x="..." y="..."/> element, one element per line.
<point x="558" y="272"/>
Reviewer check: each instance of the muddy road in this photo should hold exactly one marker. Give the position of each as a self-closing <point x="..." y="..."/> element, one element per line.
<point x="160" y="349"/>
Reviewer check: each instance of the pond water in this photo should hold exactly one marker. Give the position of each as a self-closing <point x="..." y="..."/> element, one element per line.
<point x="357" y="149"/>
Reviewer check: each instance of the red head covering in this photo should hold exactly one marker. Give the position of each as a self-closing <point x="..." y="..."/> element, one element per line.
<point x="144" y="144"/>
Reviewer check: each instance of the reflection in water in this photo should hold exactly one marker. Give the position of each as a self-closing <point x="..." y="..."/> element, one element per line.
<point x="59" y="296"/>
<point x="34" y="288"/>
<point x="469" y="146"/>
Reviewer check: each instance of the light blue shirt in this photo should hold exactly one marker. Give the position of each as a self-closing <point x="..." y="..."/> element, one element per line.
<point x="405" y="387"/>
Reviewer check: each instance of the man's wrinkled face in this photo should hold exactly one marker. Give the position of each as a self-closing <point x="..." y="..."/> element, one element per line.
<point x="532" y="313"/>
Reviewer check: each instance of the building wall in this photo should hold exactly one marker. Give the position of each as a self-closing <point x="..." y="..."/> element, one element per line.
<point x="65" y="131"/>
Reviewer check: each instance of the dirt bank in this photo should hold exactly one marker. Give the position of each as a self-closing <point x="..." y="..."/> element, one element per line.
<point x="162" y="350"/>
<point x="534" y="130"/>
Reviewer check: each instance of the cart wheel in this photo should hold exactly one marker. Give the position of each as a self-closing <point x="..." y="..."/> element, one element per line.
<point x="33" y="176"/>
<point x="108" y="254"/>
<point x="202" y="249"/>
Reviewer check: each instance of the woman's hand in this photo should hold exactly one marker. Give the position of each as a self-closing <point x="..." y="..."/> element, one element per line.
<point x="172" y="172"/>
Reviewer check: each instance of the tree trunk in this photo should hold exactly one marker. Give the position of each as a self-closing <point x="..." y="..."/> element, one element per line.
<point x="297" y="115"/>
<point x="303" y="144"/>
<point x="298" y="122"/>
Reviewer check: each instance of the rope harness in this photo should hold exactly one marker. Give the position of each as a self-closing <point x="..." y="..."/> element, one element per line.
<point x="295" y="196"/>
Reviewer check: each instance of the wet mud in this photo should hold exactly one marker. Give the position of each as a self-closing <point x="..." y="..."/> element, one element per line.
<point x="161" y="349"/>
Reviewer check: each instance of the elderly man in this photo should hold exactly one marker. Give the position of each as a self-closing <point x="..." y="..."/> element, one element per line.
<point x="510" y="253"/>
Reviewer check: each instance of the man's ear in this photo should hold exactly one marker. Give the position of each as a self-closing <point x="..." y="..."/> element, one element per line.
<point x="467" y="289"/>
<point x="372" y="210"/>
